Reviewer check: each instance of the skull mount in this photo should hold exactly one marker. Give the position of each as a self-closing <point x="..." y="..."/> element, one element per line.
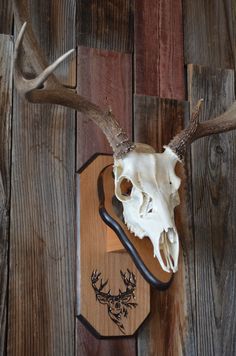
<point x="147" y="186"/>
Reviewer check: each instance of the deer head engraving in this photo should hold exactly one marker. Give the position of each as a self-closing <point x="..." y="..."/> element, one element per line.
<point x="117" y="305"/>
<point x="145" y="181"/>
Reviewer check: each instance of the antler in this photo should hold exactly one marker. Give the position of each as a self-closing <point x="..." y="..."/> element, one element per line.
<point x="43" y="89"/>
<point x="196" y="129"/>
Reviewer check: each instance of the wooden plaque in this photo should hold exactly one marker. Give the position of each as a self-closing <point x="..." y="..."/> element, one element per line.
<point x="113" y="299"/>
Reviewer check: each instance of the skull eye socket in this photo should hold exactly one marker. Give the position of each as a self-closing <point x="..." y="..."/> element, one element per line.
<point x="126" y="187"/>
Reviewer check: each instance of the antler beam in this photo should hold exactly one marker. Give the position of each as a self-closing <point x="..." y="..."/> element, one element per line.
<point x="45" y="88"/>
<point x="195" y="130"/>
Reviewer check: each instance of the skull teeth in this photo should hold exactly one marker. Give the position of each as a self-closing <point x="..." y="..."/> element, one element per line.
<point x="137" y="233"/>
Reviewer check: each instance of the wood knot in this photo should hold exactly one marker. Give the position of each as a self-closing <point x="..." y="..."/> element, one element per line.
<point x="219" y="150"/>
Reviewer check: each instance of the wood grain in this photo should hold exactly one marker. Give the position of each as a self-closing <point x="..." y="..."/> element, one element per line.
<point x="55" y="22"/>
<point x="91" y="232"/>
<point x="169" y="329"/>
<point x="6" y="17"/>
<point x="210" y="33"/>
<point x="105" y="78"/>
<point x="159" y="67"/>
<point x="6" y="56"/>
<point x="88" y="345"/>
<point x="214" y="209"/>
<point x="105" y="24"/>
<point x="42" y="253"/>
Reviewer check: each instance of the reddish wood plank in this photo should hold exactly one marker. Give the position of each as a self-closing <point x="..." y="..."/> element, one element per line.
<point x="105" y="78"/>
<point x="159" y="67"/>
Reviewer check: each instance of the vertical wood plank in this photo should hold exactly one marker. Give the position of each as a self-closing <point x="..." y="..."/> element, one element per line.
<point x="105" y="78"/>
<point x="210" y="33"/>
<point x="105" y="24"/>
<point x="55" y="22"/>
<point x="169" y="329"/>
<point x="87" y="345"/>
<point x="159" y="65"/>
<point x="6" y="16"/>
<point x="214" y="210"/>
<point x="6" y="56"/>
<point x="42" y="251"/>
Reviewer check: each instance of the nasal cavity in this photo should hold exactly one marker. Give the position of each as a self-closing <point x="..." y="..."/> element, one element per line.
<point x="150" y="206"/>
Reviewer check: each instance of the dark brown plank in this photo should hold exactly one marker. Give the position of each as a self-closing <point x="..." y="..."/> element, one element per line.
<point x="210" y="33"/>
<point x="105" y="78"/>
<point x="169" y="330"/>
<point x="214" y="210"/>
<point x="159" y="67"/>
<point x="105" y="24"/>
<point x="6" y="55"/>
<point x="87" y="344"/>
<point x="42" y="252"/>
<point x="6" y="17"/>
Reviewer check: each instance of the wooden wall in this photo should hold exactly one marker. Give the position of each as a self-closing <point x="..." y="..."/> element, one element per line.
<point x="150" y="61"/>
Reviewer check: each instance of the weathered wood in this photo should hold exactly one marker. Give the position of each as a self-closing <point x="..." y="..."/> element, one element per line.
<point x="42" y="252"/>
<point x="214" y="210"/>
<point x="169" y="329"/>
<point x="105" y="78"/>
<point x="55" y="22"/>
<point x="87" y="345"/>
<point x="105" y="24"/>
<point x="6" y="17"/>
<point x="6" y="55"/>
<point x="159" y="67"/>
<point x="210" y="33"/>
<point x="97" y="72"/>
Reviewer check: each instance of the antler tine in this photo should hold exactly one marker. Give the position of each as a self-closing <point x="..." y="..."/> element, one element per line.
<point x="55" y="93"/>
<point x="24" y="85"/>
<point x="179" y="143"/>
<point x="222" y="123"/>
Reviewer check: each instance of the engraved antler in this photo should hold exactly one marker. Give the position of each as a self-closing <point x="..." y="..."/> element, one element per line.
<point x="103" y="297"/>
<point x="196" y="129"/>
<point x="45" y="88"/>
<point x="100" y="296"/>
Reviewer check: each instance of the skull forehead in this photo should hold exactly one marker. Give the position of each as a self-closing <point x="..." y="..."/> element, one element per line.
<point x="148" y="168"/>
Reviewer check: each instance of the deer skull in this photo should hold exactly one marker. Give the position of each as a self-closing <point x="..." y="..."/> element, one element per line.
<point x="147" y="186"/>
<point x="152" y="194"/>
